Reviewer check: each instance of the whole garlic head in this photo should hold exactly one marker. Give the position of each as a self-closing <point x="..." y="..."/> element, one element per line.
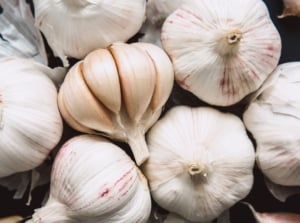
<point x="73" y="28"/>
<point x="30" y="122"/>
<point x="95" y="181"/>
<point x="221" y="50"/>
<point x="274" y="121"/>
<point x="200" y="163"/>
<point x="118" y="92"/>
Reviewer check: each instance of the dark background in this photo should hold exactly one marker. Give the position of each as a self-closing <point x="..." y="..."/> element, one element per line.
<point x="259" y="197"/>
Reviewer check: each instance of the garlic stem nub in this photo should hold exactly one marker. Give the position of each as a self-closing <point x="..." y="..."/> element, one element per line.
<point x="229" y="42"/>
<point x="196" y="169"/>
<point x="234" y="37"/>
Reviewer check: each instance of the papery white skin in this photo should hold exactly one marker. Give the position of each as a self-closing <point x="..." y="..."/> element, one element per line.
<point x="156" y="13"/>
<point x="30" y="122"/>
<point x="19" y="36"/>
<point x="95" y="181"/>
<point x="274" y="121"/>
<point x="118" y="92"/>
<point x="221" y="51"/>
<point x="73" y="28"/>
<point x="200" y="162"/>
<point x="290" y="8"/>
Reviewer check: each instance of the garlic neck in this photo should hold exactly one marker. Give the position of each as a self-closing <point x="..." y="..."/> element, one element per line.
<point x="229" y="42"/>
<point x="197" y="169"/>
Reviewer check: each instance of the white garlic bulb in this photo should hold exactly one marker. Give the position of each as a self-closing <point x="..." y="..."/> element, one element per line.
<point x="95" y="181"/>
<point x="200" y="163"/>
<point x="274" y="121"/>
<point x="118" y="92"/>
<point x="221" y="50"/>
<point x="30" y="122"/>
<point x="73" y="28"/>
<point x="290" y="8"/>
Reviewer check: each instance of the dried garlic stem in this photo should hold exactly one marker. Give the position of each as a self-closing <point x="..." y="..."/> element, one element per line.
<point x="138" y="145"/>
<point x="228" y="43"/>
<point x="196" y="169"/>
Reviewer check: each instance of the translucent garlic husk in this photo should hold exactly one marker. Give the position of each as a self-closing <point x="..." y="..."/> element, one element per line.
<point x="118" y="92"/>
<point x="201" y="162"/>
<point x="290" y="8"/>
<point x="30" y="122"/>
<point x="87" y="24"/>
<point x="95" y="181"/>
<point x="156" y="13"/>
<point x="221" y="51"/>
<point x="19" y="36"/>
<point x="274" y="121"/>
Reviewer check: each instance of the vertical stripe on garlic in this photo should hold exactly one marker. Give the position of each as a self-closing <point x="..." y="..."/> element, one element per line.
<point x="87" y="24"/>
<point x="118" y="92"/>
<point x="274" y="121"/>
<point x="92" y="181"/>
<point x="200" y="162"/>
<point x="30" y="122"/>
<point x="221" y="50"/>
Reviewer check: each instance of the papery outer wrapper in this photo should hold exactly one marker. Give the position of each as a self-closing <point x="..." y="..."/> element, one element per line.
<point x="19" y="36"/>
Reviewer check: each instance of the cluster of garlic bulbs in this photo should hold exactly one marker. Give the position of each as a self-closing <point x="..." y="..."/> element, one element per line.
<point x="94" y="180"/>
<point x="118" y="92"/>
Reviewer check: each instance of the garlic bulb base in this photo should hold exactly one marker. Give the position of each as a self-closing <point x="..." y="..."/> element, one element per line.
<point x="228" y="43"/>
<point x="234" y="37"/>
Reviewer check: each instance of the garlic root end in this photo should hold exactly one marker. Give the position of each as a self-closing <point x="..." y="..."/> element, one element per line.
<point x="197" y="169"/>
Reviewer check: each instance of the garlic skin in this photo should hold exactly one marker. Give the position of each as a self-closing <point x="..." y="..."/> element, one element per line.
<point x="221" y="51"/>
<point x="290" y="8"/>
<point x="118" y="92"/>
<point x="30" y="122"/>
<point x="273" y="120"/>
<point x="156" y="13"/>
<point x="87" y="24"/>
<point x="95" y="181"/>
<point x="200" y="163"/>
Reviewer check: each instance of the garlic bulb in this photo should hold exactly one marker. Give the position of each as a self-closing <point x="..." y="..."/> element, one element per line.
<point x="87" y="24"/>
<point x="30" y="122"/>
<point x="221" y="50"/>
<point x="118" y="92"/>
<point x="95" y="181"/>
<point x="290" y="8"/>
<point x="200" y="163"/>
<point x="156" y="13"/>
<point x="274" y="121"/>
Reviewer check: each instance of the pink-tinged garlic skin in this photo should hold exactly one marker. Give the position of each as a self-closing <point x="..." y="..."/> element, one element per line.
<point x="221" y="51"/>
<point x="95" y="181"/>
<point x="290" y="8"/>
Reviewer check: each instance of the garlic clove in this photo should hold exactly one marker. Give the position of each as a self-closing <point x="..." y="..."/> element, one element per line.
<point x="97" y="115"/>
<point x="164" y="74"/>
<point x="136" y="89"/>
<point x="235" y="50"/>
<point x="290" y="8"/>
<point x="101" y="74"/>
<point x="67" y="116"/>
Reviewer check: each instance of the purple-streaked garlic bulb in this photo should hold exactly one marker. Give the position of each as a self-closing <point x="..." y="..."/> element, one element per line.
<point x="94" y="181"/>
<point x="221" y="50"/>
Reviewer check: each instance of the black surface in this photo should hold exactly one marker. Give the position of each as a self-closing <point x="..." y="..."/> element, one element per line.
<point x="259" y="197"/>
